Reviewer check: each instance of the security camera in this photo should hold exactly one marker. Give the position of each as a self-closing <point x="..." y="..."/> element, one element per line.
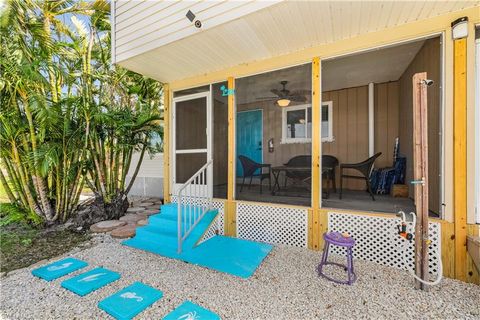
<point x="198" y="23"/>
<point x="427" y="82"/>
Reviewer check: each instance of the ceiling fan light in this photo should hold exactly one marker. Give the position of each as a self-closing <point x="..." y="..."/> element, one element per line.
<point x="283" y="102"/>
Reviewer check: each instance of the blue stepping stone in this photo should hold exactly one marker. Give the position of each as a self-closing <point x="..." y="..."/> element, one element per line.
<point x="130" y="301"/>
<point x="58" y="269"/>
<point x="188" y="310"/>
<point x="90" y="281"/>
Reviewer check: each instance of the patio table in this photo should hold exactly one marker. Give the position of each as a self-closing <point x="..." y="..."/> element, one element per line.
<point x="277" y="170"/>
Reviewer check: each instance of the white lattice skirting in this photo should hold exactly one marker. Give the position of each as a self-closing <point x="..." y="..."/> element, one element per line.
<point x="377" y="240"/>
<point x="218" y="224"/>
<point x="272" y="224"/>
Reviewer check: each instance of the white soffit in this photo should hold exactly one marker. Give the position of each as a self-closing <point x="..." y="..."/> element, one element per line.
<point x="279" y="29"/>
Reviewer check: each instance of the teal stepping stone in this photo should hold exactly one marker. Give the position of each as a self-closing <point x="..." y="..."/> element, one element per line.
<point x="191" y="311"/>
<point x="130" y="301"/>
<point x="59" y="268"/>
<point x="90" y="281"/>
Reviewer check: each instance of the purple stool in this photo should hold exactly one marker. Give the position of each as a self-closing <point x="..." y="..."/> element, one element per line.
<point x="337" y="239"/>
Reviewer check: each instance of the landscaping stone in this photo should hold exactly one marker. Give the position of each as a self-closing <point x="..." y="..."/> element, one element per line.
<point x="132" y="218"/>
<point x="142" y="222"/>
<point x="152" y="208"/>
<point x="135" y="209"/>
<point x="145" y="204"/>
<point x="150" y="212"/>
<point x="108" y="225"/>
<point x="124" y="232"/>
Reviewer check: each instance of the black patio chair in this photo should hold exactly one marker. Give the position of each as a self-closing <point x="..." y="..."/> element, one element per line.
<point x="250" y="169"/>
<point x="296" y="176"/>
<point x="364" y="167"/>
<point x="329" y="161"/>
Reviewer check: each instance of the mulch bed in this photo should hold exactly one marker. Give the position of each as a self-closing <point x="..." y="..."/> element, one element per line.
<point x="22" y="245"/>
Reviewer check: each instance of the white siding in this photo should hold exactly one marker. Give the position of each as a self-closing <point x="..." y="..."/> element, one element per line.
<point x="144" y="25"/>
<point x="149" y="181"/>
<point x="151" y="167"/>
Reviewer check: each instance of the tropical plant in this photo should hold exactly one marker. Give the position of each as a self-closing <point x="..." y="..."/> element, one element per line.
<point x="68" y="118"/>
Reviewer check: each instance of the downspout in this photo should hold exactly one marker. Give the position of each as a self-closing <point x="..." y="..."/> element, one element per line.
<point x="371" y="119"/>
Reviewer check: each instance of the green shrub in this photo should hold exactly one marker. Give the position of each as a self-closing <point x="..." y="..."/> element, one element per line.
<point x="11" y="213"/>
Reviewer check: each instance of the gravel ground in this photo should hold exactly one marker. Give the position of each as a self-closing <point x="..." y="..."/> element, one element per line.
<point x="285" y="286"/>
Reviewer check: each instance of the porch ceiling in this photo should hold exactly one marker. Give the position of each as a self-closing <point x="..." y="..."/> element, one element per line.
<point x="280" y="29"/>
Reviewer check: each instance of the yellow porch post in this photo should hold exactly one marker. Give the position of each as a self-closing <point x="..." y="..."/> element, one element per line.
<point x="314" y="214"/>
<point x="460" y="156"/>
<point x="230" y="206"/>
<point x="166" y="143"/>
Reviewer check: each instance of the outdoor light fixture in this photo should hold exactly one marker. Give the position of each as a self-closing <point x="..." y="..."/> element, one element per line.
<point x="460" y="28"/>
<point x="283" y="102"/>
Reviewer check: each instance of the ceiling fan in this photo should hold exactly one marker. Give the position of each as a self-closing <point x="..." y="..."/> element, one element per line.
<point x="284" y="96"/>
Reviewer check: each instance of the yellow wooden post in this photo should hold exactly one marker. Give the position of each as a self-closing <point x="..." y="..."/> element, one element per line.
<point x="166" y="143"/>
<point x="230" y="208"/>
<point x="460" y="156"/>
<point x="314" y="215"/>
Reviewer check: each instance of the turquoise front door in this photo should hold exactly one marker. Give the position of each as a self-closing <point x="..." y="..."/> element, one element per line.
<point x="249" y="137"/>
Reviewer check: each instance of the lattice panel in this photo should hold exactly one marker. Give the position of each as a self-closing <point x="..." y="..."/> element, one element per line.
<point x="220" y="206"/>
<point x="377" y="240"/>
<point x="272" y="224"/>
<point x="193" y="201"/>
<point x="218" y="223"/>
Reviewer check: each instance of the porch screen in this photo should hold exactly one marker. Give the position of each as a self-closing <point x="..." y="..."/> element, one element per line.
<point x="274" y="128"/>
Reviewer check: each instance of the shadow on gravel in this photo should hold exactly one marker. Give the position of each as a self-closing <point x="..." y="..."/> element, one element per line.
<point x="22" y="245"/>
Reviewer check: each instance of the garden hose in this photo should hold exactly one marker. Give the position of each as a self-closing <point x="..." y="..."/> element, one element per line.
<point x="405" y="249"/>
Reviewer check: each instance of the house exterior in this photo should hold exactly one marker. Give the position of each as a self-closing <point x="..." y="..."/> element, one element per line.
<point x="314" y="79"/>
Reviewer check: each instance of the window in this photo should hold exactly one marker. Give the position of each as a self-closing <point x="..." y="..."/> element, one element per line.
<point x="297" y="123"/>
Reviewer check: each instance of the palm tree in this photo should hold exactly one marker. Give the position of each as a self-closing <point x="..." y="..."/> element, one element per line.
<point x="69" y="118"/>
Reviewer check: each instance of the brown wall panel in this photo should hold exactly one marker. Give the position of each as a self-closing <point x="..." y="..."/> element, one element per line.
<point x="350" y="126"/>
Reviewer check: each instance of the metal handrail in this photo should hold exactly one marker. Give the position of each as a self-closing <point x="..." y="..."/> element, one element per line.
<point x="199" y="203"/>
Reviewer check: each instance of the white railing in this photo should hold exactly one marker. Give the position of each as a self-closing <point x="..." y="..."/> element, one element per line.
<point x="194" y="200"/>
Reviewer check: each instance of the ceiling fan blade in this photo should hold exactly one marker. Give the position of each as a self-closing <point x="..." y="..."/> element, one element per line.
<point x="301" y="93"/>
<point x="277" y="92"/>
<point x="267" y="98"/>
<point x="298" y="98"/>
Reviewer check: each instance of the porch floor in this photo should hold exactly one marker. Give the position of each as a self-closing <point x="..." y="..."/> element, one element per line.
<point x="351" y="199"/>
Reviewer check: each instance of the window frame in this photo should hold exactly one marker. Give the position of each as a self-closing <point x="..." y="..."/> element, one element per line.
<point x="286" y="140"/>
<point x="329" y="138"/>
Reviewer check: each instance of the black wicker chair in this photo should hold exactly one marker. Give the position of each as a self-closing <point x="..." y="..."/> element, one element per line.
<point x="364" y="167"/>
<point x="251" y="168"/>
<point x="295" y="176"/>
<point x="330" y="162"/>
